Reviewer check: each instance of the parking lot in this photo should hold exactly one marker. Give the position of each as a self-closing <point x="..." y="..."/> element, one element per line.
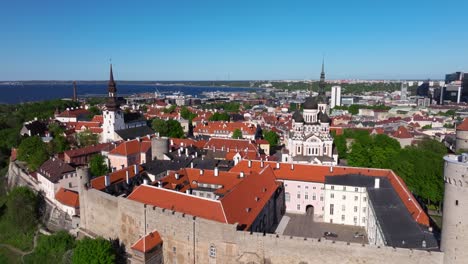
<point x="304" y="226"/>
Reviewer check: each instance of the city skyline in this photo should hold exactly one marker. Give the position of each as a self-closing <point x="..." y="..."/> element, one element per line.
<point x="209" y="40"/>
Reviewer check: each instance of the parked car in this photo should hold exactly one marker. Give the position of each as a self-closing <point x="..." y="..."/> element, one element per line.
<point x="329" y="234"/>
<point x="358" y="235"/>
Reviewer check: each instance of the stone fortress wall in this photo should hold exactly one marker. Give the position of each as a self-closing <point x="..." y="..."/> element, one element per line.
<point x="187" y="239"/>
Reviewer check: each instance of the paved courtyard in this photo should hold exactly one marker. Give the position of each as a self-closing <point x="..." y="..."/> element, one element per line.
<point x="304" y="226"/>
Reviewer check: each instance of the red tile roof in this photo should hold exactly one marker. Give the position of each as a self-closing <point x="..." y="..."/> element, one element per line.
<point x="463" y="126"/>
<point x="132" y="147"/>
<point x="148" y="242"/>
<point x="241" y="198"/>
<point x="234" y="145"/>
<point x="221" y="127"/>
<point x="87" y="150"/>
<point x="180" y="202"/>
<point x="402" y="132"/>
<point x="68" y="198"/>
<point x="317" y="173"/>
<point x="115" y="177"/>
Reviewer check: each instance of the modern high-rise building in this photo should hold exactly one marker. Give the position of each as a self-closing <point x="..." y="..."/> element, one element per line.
<point x="456" y="88"/>
<point x="335" y="96"/>
<point x="404" y="91"/>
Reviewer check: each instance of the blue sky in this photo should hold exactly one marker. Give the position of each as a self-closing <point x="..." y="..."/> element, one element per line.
<point x="221" y="39"/>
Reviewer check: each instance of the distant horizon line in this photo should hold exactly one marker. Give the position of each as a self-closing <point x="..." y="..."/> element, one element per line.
<point x="240" y="80"/>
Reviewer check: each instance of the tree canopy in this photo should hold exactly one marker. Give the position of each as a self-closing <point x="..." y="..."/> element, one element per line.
<point x="51" y="249"/>
<point x="22" y="205"/>
<point x="185" y="113"/>
<point x="271" y="137"/>
<point x="87" y="138"/>
<point x="97" y="251"/>
<point x="220" y="117"/>
<point x="237" y="134"/>
<point x="421" y="166"/>
<point x="97" y="165"/>
<point x="169" y="128"/>
<point x="33" y="151"/>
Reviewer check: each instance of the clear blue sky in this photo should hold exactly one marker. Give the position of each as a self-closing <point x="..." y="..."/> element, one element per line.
<point x="209" y="40"/>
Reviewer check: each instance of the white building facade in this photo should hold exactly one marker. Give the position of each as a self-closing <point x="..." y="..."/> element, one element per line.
<point x="335" y="96"/>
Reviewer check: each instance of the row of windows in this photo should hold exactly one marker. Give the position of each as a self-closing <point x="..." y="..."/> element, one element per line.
<point x="355" y="219"/>
<point x="343" y="209"/>
<point x="343" y="197"/>
<point x="306" y="196"/>
<point x="332" y="187"/>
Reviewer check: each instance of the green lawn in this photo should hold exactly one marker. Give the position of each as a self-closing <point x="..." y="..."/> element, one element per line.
<point x="8" y="256"/>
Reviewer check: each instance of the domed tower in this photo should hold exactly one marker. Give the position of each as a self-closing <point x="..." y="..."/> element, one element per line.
<point x="298" y="121"/>
<point x="324" y="122"/>
<point x="310" y="110"/>
<point x="454" y="240"/>
<point x="461" y="142"/>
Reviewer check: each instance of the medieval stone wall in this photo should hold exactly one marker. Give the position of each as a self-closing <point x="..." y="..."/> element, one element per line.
<point x="193" y="240"/>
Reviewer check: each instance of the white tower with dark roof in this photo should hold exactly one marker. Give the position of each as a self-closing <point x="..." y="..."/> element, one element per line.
<point x="113" y="118"/>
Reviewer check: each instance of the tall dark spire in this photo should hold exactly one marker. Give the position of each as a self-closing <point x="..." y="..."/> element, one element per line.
<point x="322" y="79"/>
<point x="112" y="103"/>
<point x="112" y="89"/>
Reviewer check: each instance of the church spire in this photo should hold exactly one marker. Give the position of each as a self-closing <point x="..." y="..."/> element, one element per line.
<point x="112" y="90"/>
<point x="111" y="87"/>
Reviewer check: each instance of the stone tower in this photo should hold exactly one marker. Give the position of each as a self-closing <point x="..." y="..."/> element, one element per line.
<point x="454" y="240"/>
<point x="461" y="142"/>
<point x="83" y="175"/>
<point x="113" y="117"/>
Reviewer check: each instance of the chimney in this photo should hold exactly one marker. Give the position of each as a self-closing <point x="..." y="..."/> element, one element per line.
<point x="250" y="164"/>
<point x="145" y="182"/>
<point x="160" y="184"/>
<point x="186" y="151"/>
<point x="188" y="191"/>
<point x="196" y="154"/>
<point x="107" y="180"/>
<point x="241" y="175"/>
<point x="127" y="178"/>
<point x="377" y="183"/>
<point x="331" y="168"/>
<point x="191" y="165"/>
<point x="277" y="165"/>
<point x="135" y="169"/>
<point x="138" y="139"/>
<point x="292" y="166"/>
<point x="177" y="176"/>
<point x="261" y="163"/>
<point x="201" y="172"/>
<point x="216" y="171"/>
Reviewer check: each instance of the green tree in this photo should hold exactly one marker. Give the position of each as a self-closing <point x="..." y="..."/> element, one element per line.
<point x="97" y="165"/>
<point x="170" y="128"/>
<point x="175" y="129"/>
<point x="187" y="114"/>
<point x="340" y="143"/>
<point x="51" y="249"/>
<point x="97" y="251"/>
<point x="170" y="109"/>
<point x="160" y="126"/>
<point x="87" y="138"/>
<point x="220" y="117"/>
<point x="271" y="137"/>
<point x="94" y="110"/>
<point x="22" y="205"/>
<point x="237" y="134"/>
<point x="33" y="151"/>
